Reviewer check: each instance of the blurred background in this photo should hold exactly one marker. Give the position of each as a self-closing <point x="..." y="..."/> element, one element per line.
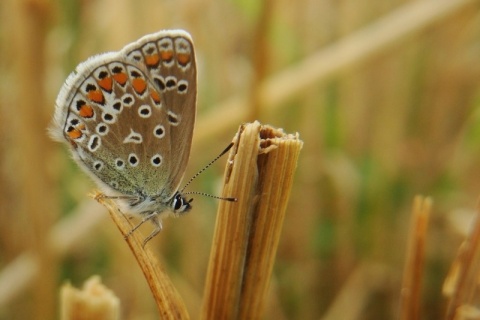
<point x="384" y="94"/>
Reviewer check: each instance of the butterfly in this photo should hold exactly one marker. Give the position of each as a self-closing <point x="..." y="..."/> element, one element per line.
<point x="128" y="119"/>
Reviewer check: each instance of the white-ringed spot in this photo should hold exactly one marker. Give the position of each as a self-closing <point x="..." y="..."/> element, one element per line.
<point x="149" y="48"/>
<point x="74" y="121"/>
<point x="109" y="118"/>
<point x="133" y="137"/>
<point x="117" y="106"/>
<point x="156" y="160"/>
<point x="172" y="118"/>
<point x="145" y="111"/>
<point x="101" y="72"/>
<point x="133" y="160"/>
<point x="170" y="82"/>
<point x="135" y="55"/>
<point x="128" y="100"/>
<point x="160" y="82"/>
<point x="182" y="86"/>
<point x="102" y="129"/>
<point x="119" y="164"/>
<point x="182" y="45"/>
<point x="159" y="131"/>
<point x="98" y="165"/>
<point x="94" y="143"/>
<point x="165" y="44"/>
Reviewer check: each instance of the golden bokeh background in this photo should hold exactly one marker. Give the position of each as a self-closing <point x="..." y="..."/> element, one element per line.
<point x="384" y="94"/>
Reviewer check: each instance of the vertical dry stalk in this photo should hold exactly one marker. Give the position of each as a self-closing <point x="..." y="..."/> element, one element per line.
<point x="260" y="56"/>
<point x="412" y="277"/>
<point x="170" y="304"/>
<point x="461" y="285"/>
<point x="260" y="174"/>
<point x="25" y="126"/>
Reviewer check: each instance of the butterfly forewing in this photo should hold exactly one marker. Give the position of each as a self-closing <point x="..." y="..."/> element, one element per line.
<point x="170" y="63"/>
<point x="128" y="111"/>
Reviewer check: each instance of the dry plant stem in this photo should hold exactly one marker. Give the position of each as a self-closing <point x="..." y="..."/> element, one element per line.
<point x="260" y="175"/>
<point x="412" y="278"/>
<point x="169" y="303"/>
<point x="464" y="274"/>
<point x="93" y="302"/>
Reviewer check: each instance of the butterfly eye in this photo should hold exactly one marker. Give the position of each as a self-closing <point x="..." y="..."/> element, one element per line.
<point x="180" y="204"/>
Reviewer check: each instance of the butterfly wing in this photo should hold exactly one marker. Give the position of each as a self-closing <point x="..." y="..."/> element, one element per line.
<point x="126" y="129"/>
<point x="170" y="62"/>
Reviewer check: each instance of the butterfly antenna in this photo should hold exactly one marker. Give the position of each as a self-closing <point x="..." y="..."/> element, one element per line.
<point x="205" y="168"/>
<point x="211" y="196"/>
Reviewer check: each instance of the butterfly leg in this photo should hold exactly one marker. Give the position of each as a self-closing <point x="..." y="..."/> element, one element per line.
<point x="158" y="227"/>
<point x="151" y="216"/>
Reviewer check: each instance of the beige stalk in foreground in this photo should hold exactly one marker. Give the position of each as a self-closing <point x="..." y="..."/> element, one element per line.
<point x="259" y="174"/>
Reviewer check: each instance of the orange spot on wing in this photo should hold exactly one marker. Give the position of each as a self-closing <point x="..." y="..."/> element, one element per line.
<point x="183" y="58"/>
<point x="80" y="126"/>
<point x="85" y="111"/>
<point x="74" y="133"/>
<point x="155" y="97"/>
<point x="96" y="96"/>
<point x="166" y="55"/>
<point x="120" y="78"/>
<point x="105" y="84"/>
<point x="139" y="85"/>
<point x="152" y="60"/>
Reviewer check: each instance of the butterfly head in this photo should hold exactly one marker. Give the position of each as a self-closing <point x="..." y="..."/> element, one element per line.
<point x="179" y="204"/>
